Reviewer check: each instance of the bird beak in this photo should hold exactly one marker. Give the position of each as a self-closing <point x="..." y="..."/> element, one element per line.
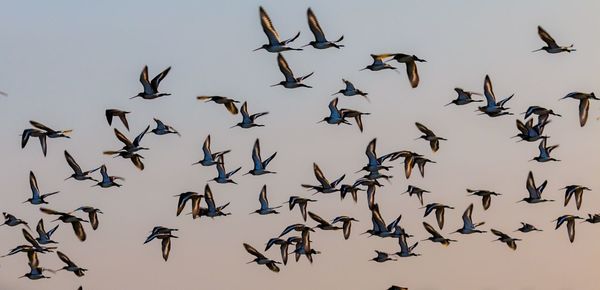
<point x="274" y="85"/>
<point x="536" y="50"/>
<point x="305" y="45"/>
<point x="258" y="48"/>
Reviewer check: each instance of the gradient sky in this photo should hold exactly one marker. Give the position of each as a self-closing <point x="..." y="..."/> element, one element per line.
<point x="65" y="62"/>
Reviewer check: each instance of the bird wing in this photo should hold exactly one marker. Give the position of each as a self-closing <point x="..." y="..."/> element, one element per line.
<point x="166" y="247"/>
<point x="158" y="78"/>
<point x="439" y="216"/>
<point x="121" y="137"/>
<point x="424" y="129"/>
<point x="431" y="230"/>
<point x="313" y="23"/>
<point x="159" y="124"/>
<point x="256" y="159"/>
<point x="34" y="186"/>
<point x="466" y="217"/>
<point x="93" y="216"/>
<point x="79" y="231"/>
<point x="245" y="115"/>
<point x="378" y="222"/>
<point x="530" y="185"/>
<point x="489" y="92"/>
<point x="40" y="228"/>
<point x="208" y="198"/>
<point x="317" y="218"/>
<point x="413" y="74"/>
<point x="285" y="68"/>
<point x="252" y="251"/>
<point x="319" y="175"/>
<point x="584" y="107"/>
<point x="139" y="137"/>
<point x="268" y="27"/>
<point x="72" y="163"/>
<point x="64" y="258"/>
<point x="40" y="126"/>
<point x="370" y="152"/>
<point x="571" y="229"/>
<point x="145" y="81"/>
<point x="262" y="198"/>
<point x="546" y="37"/>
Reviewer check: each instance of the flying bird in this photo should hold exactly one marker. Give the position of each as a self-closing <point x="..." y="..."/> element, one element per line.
<point x="439" y="212"/>
<point x="493" y="108"/>
<point x="247" y="119"/>
<point x="183" y="198"/>
<point x="107" y="181"/>
<point x="584" y="104"/>
<point x="539" y="111"/>
<point x="260" y="166"/>
<point x="468" y="226"/>
<point x="322" y="223"/>
<point x="261" y="259"/>
<point x="486" y="196"/>
<point x="320" y="41"/>
<point x="92" y="215"/>
<point x="165" y="235"/>
<point x="545" y="150"/>
<point x="574" y="190"/>
<point x="535" y="193"/>
<point x="69" y="219"/>
<point x="435" y="236"/>
<point x="222" y="175"/>
<point x="71" y="266"/>
<point x="464" y="97"/>
<point x="325" y="186"/>
<point x="225" y="101"/>
<point x="411" y="66"/>
<point x="110" y="113"/>
<point x="212" y="209"/>
<point x="78" y="174"/>
<point x="379" y="62"/>
<point x="570" y="219"/>
<point x="350" y="90"/>
<point x="44" y="237"/>
<point x="301" y="202"/>
<point x="382" y="257"/>
<point x="414" y="190"/>
<point x="264" y="204"/>
<point x="502" y="237"/>
<point x="27" y="133"/>
<point x="36" y="197"/>
<point x="162" y="129"/>
<point x="275" y="44"/>
<point x="210" y="158"/>
<point x="526" y="228"/>
<point x="551" y="46"/>
<point x="346" y="224"/>
<point x="151" y="87"/>
<point x="12" y="221"/>
<point x="434" y="141"/>
<point x="290" y="81"/>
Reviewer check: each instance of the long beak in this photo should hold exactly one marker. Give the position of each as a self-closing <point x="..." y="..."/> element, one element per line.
<point x="258" y="49"/>
<point x="536" y="50"/>
<point x="275" y="85"/>
<point x="448" y="104"/>
<point x="305" y="45"/>
<point x="362" y="69"/>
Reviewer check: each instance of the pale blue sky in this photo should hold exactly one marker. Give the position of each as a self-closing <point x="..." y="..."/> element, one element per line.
<point x="65" y="62"/>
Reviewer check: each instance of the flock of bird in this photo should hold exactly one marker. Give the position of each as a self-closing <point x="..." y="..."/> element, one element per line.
<point x="296" y="238"/>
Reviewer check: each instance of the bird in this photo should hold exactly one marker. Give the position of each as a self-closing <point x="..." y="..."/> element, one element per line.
<point x="346" y="224"/>
<point x="379" y="62"/>
<point x="222" y="175"/>
<point x="530" y="132"/>
<point x="71" y="267"/>
<point x="439" y="212"/>
<point x="301" y="202"/>
<point x="325" y="186"/>
<point x="210" y="158"/>
<point x="416" y="191"/>
<point x="162" y="129"/>
<point x="525" y="228"/>
<point x="350" y="188"/>
<point x="394" y="287"/>
<point x="535" y="193"/>
<point x="78" y="174"/>
<point x="183" y="198"/>
<point x="493" y="108"/>
<point x="335" y="115"/>
<point x="539" y="111"/>
<point x="129" y="147"/>
<point x="409" y="160"/>
<point x="295" y="227"/>
<point x="44" y="237"/>
<point x="545" y="150"/>
<point x="290" y="81"/>
<point x="320" y="41"/>
<point x="260" y="259"/>
<point x="12" y="221"/>
<point x="420" y="162"/>
<point x="51" y="133"/>
<point x="260" y="166"/>
<point x="247" y="119"/>
<point x="165" y="235"/>
<point x="304" y="247"/>
<point x="570" y="219"/>
<point x="376" y="163"/>
<point x="275" y="44"/>
<point x="464" y="97"/>
<point x="322" y="223"/>
<point x="509" y="241"/>
<point x="593" y="219"/>
<point x="283" y="246"/>
<point x="379" y="227"/>
<point x="37" y="134"/>
<point x="574" y="190"/>
<point x="411" y="66"/>
<point x="435" y="236"/>
<point x="350" y="90"/>
<point x="357" y="115"/>
<point x="382" y="257"/>
<point x="33" y="247"/>
<point x="584" y="104"/>
<point x="68" y="218"/>
<point x="225" y="101"/>
<point x="92" y="215"/>
<point x="107" y="181"/>
<point x="551" y="46"/>
<point x="264" y="204"/>
<point x="36" y="272"/>
<point x="212" y="210"/>
<point x="110" y="113"/>
<point x="36" y="197"/>
<point x="151" y="87"/>
<point x="486" y="196"/>
<point x="434" y="141"/>
<point x="468" y="226"/>
<point x="405" y="250"/>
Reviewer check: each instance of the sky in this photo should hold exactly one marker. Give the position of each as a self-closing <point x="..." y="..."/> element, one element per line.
<point x="65" y="62"/>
